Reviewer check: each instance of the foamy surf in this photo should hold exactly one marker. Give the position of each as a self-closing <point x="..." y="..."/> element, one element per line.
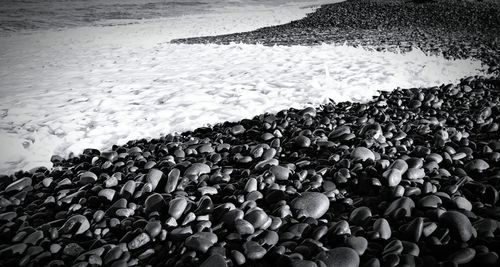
<point x="100" y="97"/>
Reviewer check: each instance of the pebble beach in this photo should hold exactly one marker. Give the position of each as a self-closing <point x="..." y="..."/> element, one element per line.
<point x="364" y="134"/>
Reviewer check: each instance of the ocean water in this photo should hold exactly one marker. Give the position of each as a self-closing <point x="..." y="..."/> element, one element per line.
<point x="29" y="15"/>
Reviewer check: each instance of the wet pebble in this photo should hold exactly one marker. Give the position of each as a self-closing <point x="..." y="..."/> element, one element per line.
<point x="312" y="204"/>
<point x="340" y="256"/>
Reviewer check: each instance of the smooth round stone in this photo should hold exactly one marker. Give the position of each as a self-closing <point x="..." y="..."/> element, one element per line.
<point x="341" y="256"/>
<point x="400" y="207"/>
<point x="308" y="111"/>
<point x="280" y="173"/>
<point x="197" y="169"/>
<point x="339" y="131"/>
<point x="33" y="238"/>
<point x="415" y="229"/>
<point x="128" y="189"/>
<point x="393" y="247"/>
<point x="205" y="206"/>
<point x="111" y="182"/>
<point x="54" y="248"/>
<point x="238" y="257"/>
<point x="302" y="141"/>
<point x="77" y="224"/>
<point x="362" y="154"/>
<point x="341" y="228"/>
<point x="463" y="256"/>
<point x="266" y="162"/>
<point x="459" y="225"/>
<point x="153" y="228"/>
<point x="256" y="217"/>
<point x="107" y="193"/>
<point x="87" y="178"/>
<point x="19" y="185"/>
<point x="215" y="260"/>
<point x="269" y="238"/>
<point x="201" y="241"/>
<point x="243" y="227"/>
<point x="360" y="215"/>
<point x="253" y="250"/>
<point x="312" y="204"/>
<point x="358" y="243"/>
<point x="153" y="177"/>
<point x="139" y="241"/>
<point x="382" y="227"/>
<point x="462" y="203"/>
<point x="172" y="180"/>
<point x="176" y="207"/>
<point x="393" y="177"/>
<point x="415" y="173"/>
<point x="206" y="148"/>
<point x="434" y="157"/>
<point x="231" y="216"/>
<point x="478" y="165"/>
<point x="303" y="263"/>
<point x="400" y="165"/>
<point x="181" y="233"/>
<point x="124" y="213"/>
<point x="251" y="185"/>
<point x="154" y="202"/>
<point x="430" y="201"/>
<point x="237" y="129"/>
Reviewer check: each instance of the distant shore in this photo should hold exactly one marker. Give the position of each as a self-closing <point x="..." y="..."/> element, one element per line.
<point x="457" y="29"/>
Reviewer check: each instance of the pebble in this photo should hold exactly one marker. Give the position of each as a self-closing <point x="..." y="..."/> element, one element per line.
<point x="107" y="193"/>
<point x="400" y="207"/>
<point x="256" y="217"/>
<point x="176" y="207"/>
<point x="87" y="178"/>
<point x="153" y="177"/>
<point x="311" y="204"/>
<point x="280" y="173"/>
<point x="360" y="215"/>
<point x="358" y="243"/>
<point x="238" y="257"/>
<point x="415" y="173"/>
<point x="215" y="260"/>
<point x="463" y="256"/>
<point x="154" y="202"/>
<point x="393" y="177"/>
<point x="139" y="241"/>
<point x="201" y="241"/>
<point x="430" y="201"/>
<point x="243" y="227"/>
<point x="172" y="180"/>
<point x="382" y="227"/>
<point x="18" y="185"/>
<point x="153" y="228"/>
<point x="362" y="154"/>
<point x="237" y="129"/>
<point x="77" y="224"/>
<point x="128" y="189"/>
<point x="477" y="165"/>
<point x="253" y="250"/>
<point x="197" y="169"/>
<point x="340" y="256"/>
<point x="459" y="225"/>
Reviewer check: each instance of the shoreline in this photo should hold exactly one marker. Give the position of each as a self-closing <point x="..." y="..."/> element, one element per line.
<point x="467" y="29"/>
